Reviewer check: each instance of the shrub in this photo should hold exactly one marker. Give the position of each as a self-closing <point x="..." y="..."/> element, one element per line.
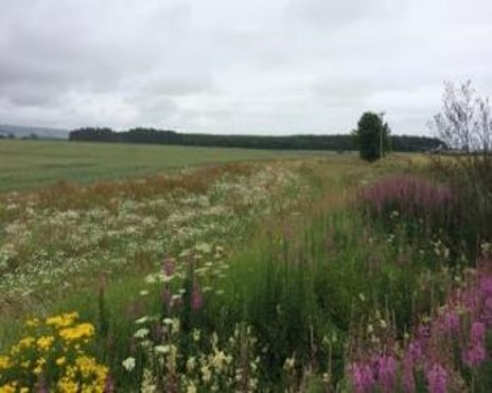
<point x="465" y="127"/>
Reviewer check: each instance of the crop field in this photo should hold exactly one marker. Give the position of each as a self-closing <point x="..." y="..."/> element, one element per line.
<point x="29" y="164"/>
<point x="282" y="272"/>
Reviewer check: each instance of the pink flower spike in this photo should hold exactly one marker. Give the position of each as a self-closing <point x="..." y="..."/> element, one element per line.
<point x="437" y="378"/>
<point x="168" y="266"/>
<point x="196" y="298"/>
<point x="361" y="376"/>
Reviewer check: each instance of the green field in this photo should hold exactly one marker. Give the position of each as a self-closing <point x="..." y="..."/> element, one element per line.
<point x="30" y="164"/>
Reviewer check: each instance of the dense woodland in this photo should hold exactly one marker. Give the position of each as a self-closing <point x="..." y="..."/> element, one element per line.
<point x="298" y="142"/>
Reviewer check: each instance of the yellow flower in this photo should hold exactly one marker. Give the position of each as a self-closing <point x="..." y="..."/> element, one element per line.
<point x="61" y="361"/>
<point x="25" y="364"/>
<point x="44" y="342"/>
<point x="9" y="388"/>
<point x="4" y="362"/>
<point x="26" y="342"/>
<point x="63" y="320"/>
<point x="66" y="385"/>
<point x="83" y="330"/>
<point x="39" y="366"/>
<point x="32" y="322"/>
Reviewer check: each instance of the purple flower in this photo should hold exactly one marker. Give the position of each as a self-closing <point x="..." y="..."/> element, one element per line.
<point x="436" y="378"/>
<point x="196" y="298"/>
<point x="486" y="286"/>
<point x="415" y="350"/>
<point x="41" y="387"/>
<point x="478" y="332"/>
<point x="450" y="321"/>
<point x="486" y="316"/>
<point x="168" y="266"/>
<point x="109" y="386"/>
<point x="166" y="297"/>
<point x="475" y="353"/>
<point x="408" y="378"/>
<point x="361" y="376"/>
<point x="386" y="368"/>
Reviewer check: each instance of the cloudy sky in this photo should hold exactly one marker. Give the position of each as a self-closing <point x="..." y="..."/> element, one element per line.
<point x="225" y="66"/>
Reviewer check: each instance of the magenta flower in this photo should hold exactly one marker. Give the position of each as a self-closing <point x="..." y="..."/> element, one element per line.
<point x="196" y="298"/>
<point x="168" y="266"/>
<point x="436" y="378"/>
<point x="408" y="378"/>
<point x="109" y="386"/>
<point x="166" y="297"/>
<point x="475" y="353"/>
<point x="361" y="376"/>
<point x="450" y="321"/>
<point x="415" y="350"/>
<point x="386" y="369"/>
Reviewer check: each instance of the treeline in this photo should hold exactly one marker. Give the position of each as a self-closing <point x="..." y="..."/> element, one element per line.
<point x="297" y="142"/>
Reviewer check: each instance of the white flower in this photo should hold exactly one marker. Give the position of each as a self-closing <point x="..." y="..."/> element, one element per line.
<point x="191" y="364"/>
<point x="141" y="333"/>
<point x="142" y="320"/>
<point x="151" y="279"/>
<point x="191" y="388"/>
<point x="129" y="363"/>
<point x="162" y="349"/>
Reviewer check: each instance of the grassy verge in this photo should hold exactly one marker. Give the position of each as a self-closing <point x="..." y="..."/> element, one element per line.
<point x="264" y="277"/>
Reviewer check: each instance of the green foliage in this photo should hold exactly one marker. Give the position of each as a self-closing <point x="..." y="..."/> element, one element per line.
<point x="339" y="143"/>
<point x="372" y="136"/>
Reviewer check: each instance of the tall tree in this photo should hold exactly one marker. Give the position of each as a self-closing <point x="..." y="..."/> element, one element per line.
<point x="372" y="136"/>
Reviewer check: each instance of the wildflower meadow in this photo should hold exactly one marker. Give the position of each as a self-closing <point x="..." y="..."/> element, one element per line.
<point x="306" y="274"/>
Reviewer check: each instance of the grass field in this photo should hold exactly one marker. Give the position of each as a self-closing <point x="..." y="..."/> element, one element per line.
<point x="313" y="273"/>
<point x="29" y="164"/>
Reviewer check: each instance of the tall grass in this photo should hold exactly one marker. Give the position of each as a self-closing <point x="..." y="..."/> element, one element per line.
<point x="329" y="293"/>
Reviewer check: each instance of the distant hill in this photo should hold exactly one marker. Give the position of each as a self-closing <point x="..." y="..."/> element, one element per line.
<point x="27" y="132"/>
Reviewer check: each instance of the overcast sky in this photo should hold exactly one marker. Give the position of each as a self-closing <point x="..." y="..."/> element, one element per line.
<point x="225" y="66"/>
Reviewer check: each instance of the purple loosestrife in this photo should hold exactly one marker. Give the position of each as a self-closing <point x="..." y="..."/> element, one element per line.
<point x="196" y="298"/>
<point x="408" y="378"/>
<point x="168" y="265"/>
<point x="41" y="387"/>
<point x="485" y="291"/>
<point x="361" y="377"/>
<point x="414" y="351"/>
<point x="109" y="385"/>
<point x="436" y="376"/>
<point x="475" y="353"/>
<point x="166" y="297"/>
<point x="451" y="321"/>
<point x="460" y="325"/>
<point x="410" y="196"/>
<point x="386" y="372"/>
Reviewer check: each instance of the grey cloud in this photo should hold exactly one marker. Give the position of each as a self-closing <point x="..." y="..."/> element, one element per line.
<point x="222" y="66"/>
<point x="176" y="84"/>
<point x="335" y="14"/>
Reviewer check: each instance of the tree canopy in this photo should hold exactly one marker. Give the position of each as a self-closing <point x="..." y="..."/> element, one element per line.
<point x="298" y="142"/>
<point x="372" y="136"/>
